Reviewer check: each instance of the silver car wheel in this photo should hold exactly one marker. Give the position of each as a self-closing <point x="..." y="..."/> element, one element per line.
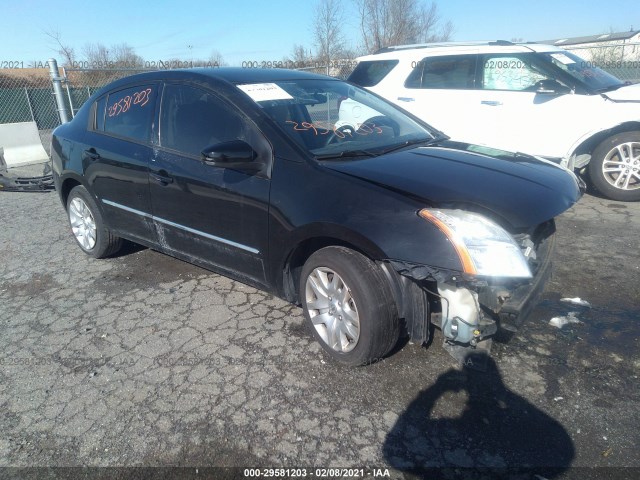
<point x="332" y="309"/>
<point x="83" y="224"/>
<point x="621" y="166"/>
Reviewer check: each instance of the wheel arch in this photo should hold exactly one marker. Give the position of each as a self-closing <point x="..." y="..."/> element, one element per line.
<point x="302" y="249"/>
<point x="590" y="142"/>
<point x="68" y="184"/>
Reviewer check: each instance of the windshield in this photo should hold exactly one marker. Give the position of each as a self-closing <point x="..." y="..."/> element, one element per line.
<point x="330" y="118"/>
<point x="583" y="71"/>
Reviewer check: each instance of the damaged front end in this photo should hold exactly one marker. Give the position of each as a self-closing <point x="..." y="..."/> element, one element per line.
<point x="471" y="307"/>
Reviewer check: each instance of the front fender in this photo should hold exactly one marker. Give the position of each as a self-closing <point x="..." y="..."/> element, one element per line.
<point x="587" y="142"/>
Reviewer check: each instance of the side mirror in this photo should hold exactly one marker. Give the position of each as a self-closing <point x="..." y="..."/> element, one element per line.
<point x="551" y="87"/>
<point x="236" y="154"/>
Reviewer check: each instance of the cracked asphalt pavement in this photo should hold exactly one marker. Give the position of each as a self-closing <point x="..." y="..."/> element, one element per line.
<point x="144" y="360"/>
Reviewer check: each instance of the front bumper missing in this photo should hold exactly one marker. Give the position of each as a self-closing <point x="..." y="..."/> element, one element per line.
<point x="472" y="310"/>
<point x="517" y="306"/>
<point x="26" y="184"/>
<point x="10" y="181"/>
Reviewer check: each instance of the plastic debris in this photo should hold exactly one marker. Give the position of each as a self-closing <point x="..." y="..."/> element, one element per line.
<point x="576" y="301"/>
<point x="562" y="321"/>
<point x="24" y="180"/>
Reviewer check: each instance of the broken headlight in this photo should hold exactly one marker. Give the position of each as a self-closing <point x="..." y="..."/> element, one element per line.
<point x="483" y="246"/>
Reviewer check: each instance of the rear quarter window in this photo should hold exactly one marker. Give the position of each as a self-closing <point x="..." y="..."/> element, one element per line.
<point x="370" y="73"/>
<point x="99" y="113"/>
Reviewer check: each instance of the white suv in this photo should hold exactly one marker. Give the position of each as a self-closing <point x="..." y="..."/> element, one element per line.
<point x="529" y="98"/>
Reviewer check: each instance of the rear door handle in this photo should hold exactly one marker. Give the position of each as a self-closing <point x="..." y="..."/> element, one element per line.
<point x="493" y="103"/>
<point x="162" y="179"/>
<point x="91" y="154"/>
<point x="406" y="99"/>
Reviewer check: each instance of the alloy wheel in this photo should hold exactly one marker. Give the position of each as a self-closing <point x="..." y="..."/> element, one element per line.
<point x="332" y="309"/>
<point x="83" y="224"/>
<point x="621" y="166"/>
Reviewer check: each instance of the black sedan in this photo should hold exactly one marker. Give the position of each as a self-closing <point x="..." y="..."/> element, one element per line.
<point x="377" y="233"/>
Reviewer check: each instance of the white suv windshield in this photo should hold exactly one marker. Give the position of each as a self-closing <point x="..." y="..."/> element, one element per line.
<point x="312" y="113"/>
<point x="583" y="71"/>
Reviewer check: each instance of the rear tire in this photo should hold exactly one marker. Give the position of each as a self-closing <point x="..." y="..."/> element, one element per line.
<point x="88" y="227"/>
<point x="348" y="306"/>
<point x="614" y="168"/>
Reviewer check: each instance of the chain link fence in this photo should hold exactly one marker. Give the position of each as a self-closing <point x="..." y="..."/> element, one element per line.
<point x="339" y="69"/>
<point x="622" y="60"/>
<point x="26" y="95"/>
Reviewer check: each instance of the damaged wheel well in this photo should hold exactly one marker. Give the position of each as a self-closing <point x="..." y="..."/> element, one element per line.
<point x="414" y="305"/>
<point x="299" y="255"/>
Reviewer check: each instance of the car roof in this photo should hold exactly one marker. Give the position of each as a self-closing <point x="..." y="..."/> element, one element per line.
<point x="426" y="49"/>
<point x="219" y="75"/>
<point x="229" y="74"/>
<point x="254" y="75"/>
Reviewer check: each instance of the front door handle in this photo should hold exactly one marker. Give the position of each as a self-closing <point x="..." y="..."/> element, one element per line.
<point x="493" y="103"/>
<point x="91" y="154"/>
<point x="406" y="99"/>
<point x="161" y="179"/>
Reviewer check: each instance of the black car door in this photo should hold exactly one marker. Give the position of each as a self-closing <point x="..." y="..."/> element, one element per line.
<point x="208" y="214"/>
<point x="116" y="158"/>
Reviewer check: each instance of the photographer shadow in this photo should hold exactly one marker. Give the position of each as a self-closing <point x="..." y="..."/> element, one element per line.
<point x="499" y="433"/>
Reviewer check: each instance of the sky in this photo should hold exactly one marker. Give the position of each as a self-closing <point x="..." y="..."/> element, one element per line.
<point x="253" y="30"/>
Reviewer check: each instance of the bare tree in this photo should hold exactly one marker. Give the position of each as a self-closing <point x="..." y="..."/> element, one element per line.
<point x="327" y="29"/>
<point x="216" y="59"/>
<point x="98" y="55"/>
<point x="429" y="25"/>
<point x="67" y="52"/>
<point x="124" y="55"/>
<point x="396" y="22"/>
<point x="299" y="55"/>
<point x="446" y="32"/>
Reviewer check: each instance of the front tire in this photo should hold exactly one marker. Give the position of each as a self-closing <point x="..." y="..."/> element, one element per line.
<point x="348" y="306"/>
<point x="87" y="226"/>
<point x="614" y="168"/>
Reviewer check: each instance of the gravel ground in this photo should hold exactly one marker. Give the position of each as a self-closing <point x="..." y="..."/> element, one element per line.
<point x="144" y="360"/>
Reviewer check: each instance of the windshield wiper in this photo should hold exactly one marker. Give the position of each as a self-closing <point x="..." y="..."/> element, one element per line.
<point x="366" y="153"/>
<point x="422" y="141"/>
<point x="346" y="153"/>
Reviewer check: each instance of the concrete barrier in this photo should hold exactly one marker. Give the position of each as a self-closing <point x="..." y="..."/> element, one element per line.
<point x="21" y="144"/>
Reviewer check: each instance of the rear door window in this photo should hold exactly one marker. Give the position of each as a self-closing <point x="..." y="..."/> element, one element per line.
<point x="457" y="72"/>
<point x="129" y="112"/>
<point x="370" y="73"/>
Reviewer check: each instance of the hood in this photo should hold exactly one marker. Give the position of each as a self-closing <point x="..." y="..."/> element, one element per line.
<point x="628" y="93"/>
<point x="518" y="189"/>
